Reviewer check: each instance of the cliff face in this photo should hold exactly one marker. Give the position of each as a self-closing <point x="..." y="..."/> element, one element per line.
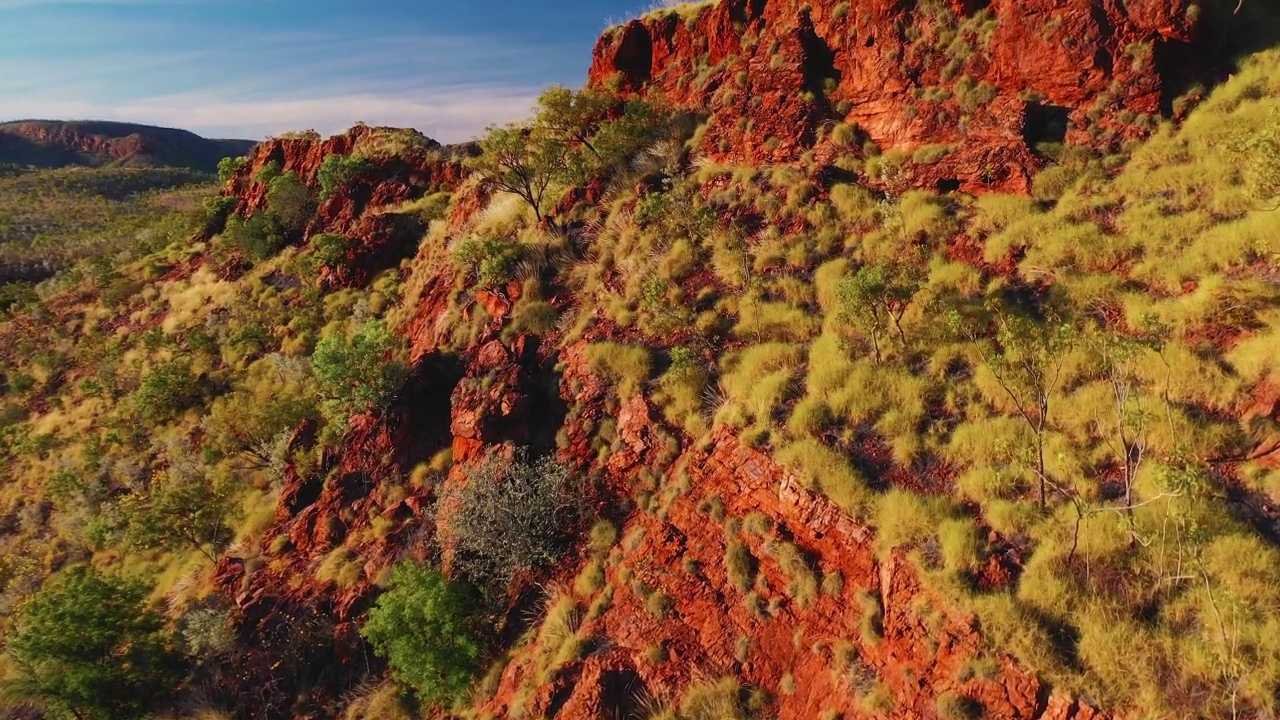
<point x="56" y="144"/>
<point x="975" y="84"/>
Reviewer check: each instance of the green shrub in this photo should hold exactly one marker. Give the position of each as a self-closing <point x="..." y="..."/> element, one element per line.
<point x="429" y="631"/>
<point x="168" y="389"/>
<point x="289" y="209"/>
<point x="229" y="167"/>
<point x="492" y="260"/>
<point x="337" y="171"/>
<point x="355" y="372"/>
<point x="184" y="508"/>
<point x="329" y="250"/>
<point x="86" y="645"/>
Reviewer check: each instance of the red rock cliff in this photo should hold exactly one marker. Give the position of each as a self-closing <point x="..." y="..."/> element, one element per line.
<point x="977" y="84"/>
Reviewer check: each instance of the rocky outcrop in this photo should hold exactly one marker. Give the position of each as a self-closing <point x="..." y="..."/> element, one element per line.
<point x="364" y="210"/>
<point x="46" y="143"/>
<point x="962" y="90"/>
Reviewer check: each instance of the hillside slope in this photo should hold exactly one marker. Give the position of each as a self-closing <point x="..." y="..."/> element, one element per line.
<point x="624" y="413"/>
<point x="56" y="144"/>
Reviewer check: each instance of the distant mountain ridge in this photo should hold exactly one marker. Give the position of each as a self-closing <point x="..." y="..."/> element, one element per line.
<point x="54" y="143"/>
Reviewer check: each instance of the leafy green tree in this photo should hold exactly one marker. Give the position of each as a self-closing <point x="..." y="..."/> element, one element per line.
<point x="87" y="647"/>
<point x="355" y="373"/>
<point x="229" y="167"/>
<point x="289" y="207"/>
<point x="167" y="389"/>
<point x="337" y="171"/>
<point x="572" y="137"/>
<point x="428" y="629"/>
<point x="571" y="115"/>
<point x="516" y="160"/>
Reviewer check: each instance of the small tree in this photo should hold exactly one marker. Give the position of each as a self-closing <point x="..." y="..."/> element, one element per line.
<point x="1027" y="360"/>
<point x="355" y="373"/>
<point x="877" y="295"/>
<point x="184" y="507"/>
<point x="87" y="647"/>
<point x="511" y="516"/>
<point x="428" y="629"/>
<point x="517" y="160"/>
<point x="289" y="208"/>
<point x="572" y="137"/>
<point x="1125" y="432"/>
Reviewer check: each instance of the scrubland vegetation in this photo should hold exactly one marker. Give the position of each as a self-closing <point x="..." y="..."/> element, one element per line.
<point x="1065" y="378"/>
<point x="50" y="219"/>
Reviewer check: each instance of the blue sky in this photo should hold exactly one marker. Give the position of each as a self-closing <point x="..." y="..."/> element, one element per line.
<point x="252" y="68"/>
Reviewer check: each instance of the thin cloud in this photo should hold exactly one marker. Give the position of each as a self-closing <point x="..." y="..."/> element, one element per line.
<point x="247" y="81"/>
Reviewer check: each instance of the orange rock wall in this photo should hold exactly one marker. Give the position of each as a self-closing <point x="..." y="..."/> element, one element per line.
<point x="771" y="74"/>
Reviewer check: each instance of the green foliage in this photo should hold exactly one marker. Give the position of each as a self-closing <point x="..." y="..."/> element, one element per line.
<point x="877" y="295"/>
<point x="168" y="389"/>
<point x="329" y="250"/>
<point x="571" y="138"/>
<point x="87" y="647"/>
<point x="268" y="173"/>
<point x="492" y="260"/>
<point x="183" y="508"/>
<point x="289" y="209"/>
<point x="355" y="373"/>
<point x="428" y="630"/>
<point x="229" y="167"/>
<point x="516" y="162"/>
<point x="337" y="171"/>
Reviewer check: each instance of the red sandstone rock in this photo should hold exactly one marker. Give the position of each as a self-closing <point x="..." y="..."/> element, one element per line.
<point x="771" y="74"/>
<point x="381" y="239"/>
